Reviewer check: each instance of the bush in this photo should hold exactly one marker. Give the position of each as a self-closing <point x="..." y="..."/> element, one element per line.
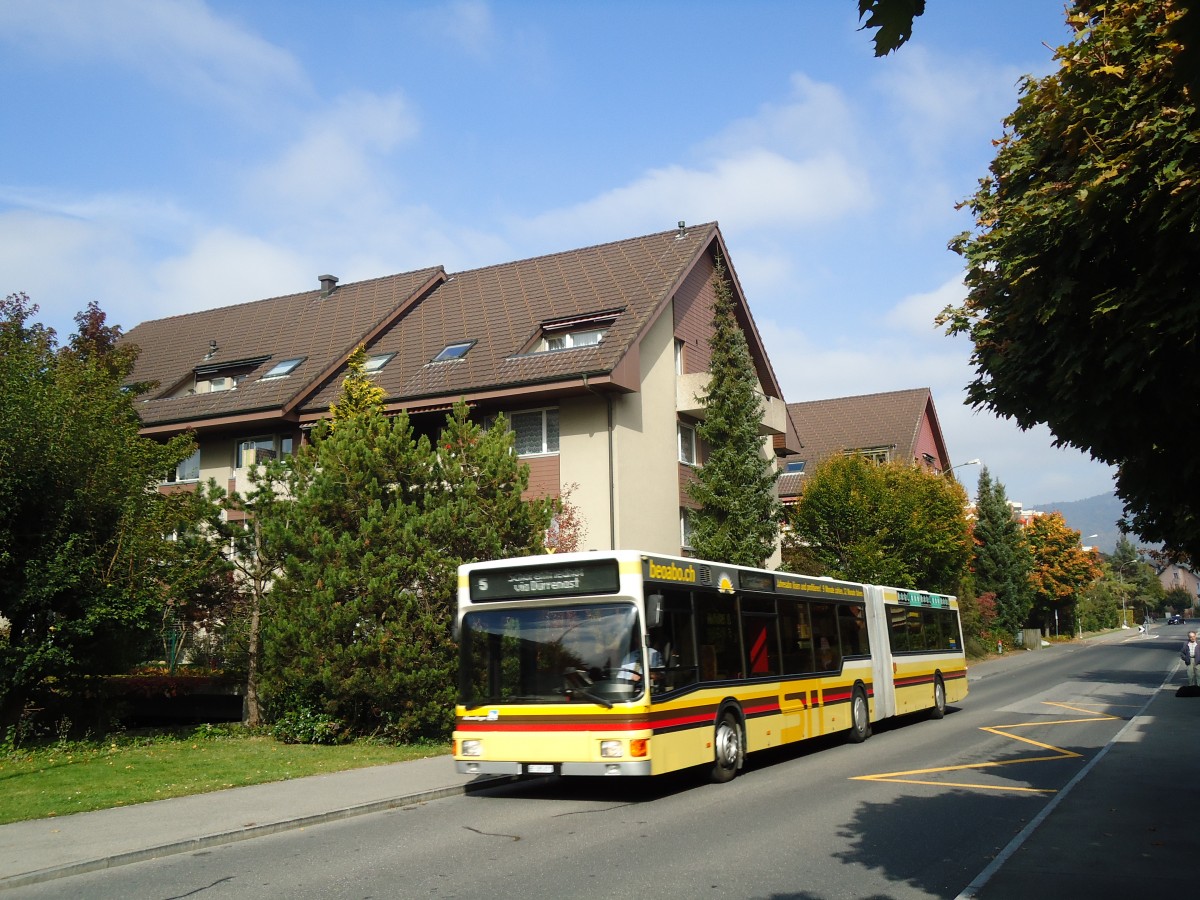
<point x="306" y="726"/>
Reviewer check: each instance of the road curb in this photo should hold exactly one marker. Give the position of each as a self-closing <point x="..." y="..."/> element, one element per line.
<point x="172" y="848"/>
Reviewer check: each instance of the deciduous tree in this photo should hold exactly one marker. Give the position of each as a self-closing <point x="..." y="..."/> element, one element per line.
<point x="85" y="557"/>
<point x="891" y="524"/>
<point x="1082" y="274"/>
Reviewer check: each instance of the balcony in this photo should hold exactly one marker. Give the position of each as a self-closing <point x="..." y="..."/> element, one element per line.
<point x="690" y="387"/>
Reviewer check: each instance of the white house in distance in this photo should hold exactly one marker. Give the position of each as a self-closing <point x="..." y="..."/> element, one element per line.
<point x="595" y="356"/>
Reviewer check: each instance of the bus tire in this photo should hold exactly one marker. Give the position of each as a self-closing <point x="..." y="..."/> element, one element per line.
<point x="939" y="698"/>
<point x="860" y="716"/>
<point x="727" y="748"/>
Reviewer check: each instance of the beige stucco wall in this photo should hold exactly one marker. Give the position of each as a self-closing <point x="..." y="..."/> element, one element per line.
<point x="583" y="465"/>
<point x="647" y="470"/>
<point x="644" y="464"/>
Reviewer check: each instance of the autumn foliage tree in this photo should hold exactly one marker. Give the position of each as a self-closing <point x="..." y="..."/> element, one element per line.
<point x="1061" y="569"/>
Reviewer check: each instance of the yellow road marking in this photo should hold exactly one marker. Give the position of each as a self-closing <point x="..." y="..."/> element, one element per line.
<point x="1057" y="753"/>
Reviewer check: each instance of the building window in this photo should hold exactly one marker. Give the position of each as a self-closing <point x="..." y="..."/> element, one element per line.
<point x="878" y="455"/>
<point x="454" y="351"/>
<point x="284" y="367"/>
<point x="687" y="443"/>
<point x="257" y="450"/>
<point x="685" y="527"/>
<point x="377" y="362"/>
<point x="536" y="431"/>
<point x="795" y="467"/>
<point x="188" y="470"/>
<point x="569" y="340"/>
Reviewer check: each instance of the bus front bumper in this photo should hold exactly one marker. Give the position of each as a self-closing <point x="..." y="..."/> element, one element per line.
<point x="485" y="767"/>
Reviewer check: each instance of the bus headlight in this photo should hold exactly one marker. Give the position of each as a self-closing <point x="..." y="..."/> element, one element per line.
<point x="612" y="749"/>
<point x="472" y="748"/>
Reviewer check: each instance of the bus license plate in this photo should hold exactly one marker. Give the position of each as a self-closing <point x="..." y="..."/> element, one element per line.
<point x="539" y="769"/>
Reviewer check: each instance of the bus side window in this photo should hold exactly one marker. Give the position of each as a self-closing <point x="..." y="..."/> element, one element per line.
<point x="675" y="640"/>
<point x="852" y="627"/>
<point x="796" y="631"/>
<point x="717" y="627"/>
<point x="825" y="637"/>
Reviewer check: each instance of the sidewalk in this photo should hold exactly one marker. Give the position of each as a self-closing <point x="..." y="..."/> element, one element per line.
<point x="43" y="849"/>
<point x="1115" y="831"/>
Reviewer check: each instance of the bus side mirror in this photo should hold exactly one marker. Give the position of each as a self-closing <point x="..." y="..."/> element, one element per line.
<point x="654" y="610"/>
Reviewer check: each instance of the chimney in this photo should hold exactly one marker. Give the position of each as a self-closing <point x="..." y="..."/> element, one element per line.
<point x="328" y="283"/>
<point x="682" y="231"/>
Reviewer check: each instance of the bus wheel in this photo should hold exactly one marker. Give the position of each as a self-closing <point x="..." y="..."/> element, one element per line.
<point x="727" y="746"/>
<point x="939" y="698"/>
<point x="860" y="717"/>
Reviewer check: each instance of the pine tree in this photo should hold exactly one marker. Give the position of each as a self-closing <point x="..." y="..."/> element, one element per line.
<point x="1002" y="560"/>
<point x="739" y="517"/>
<point x="376" y="524"/>
<point x="360" y="394"/>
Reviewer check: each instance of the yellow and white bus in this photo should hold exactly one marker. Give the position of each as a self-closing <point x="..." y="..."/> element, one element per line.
<point x="631" y="663"/>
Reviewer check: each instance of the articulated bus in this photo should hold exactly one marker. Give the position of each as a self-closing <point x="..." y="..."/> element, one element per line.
<point x="631" y="663"/>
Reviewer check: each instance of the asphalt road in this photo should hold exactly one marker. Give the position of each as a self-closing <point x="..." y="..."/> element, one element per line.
<point x="919" y="810"/>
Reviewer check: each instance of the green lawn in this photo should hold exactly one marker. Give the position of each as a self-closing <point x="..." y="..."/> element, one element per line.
<point x="75" y="777"/>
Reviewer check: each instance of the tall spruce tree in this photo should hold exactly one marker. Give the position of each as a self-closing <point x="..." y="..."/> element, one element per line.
<point x="1003" y="561"/>
<point x="739" y="517"/>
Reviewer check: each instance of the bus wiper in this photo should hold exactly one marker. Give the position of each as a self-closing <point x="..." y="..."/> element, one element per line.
<point x="577" y="683"/>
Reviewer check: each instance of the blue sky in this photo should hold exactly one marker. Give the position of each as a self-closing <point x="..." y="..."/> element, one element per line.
<point x="162" y="157"/>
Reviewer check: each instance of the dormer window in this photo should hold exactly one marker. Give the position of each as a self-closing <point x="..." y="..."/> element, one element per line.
<point x="570" y="334"/>
<point x="453" y="351"/>
<point x="568" y="340"/>
<point x="283" y="368"/>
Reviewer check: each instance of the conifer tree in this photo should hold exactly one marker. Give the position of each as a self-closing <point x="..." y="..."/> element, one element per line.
<point x="377" y="521"/>
<point x="1003" y="561"/>
<point x="739" y="518"/>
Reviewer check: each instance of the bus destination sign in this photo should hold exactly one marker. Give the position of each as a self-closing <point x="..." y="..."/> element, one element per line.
<point x="817" y="587"/>
<point x="564" y="580"/>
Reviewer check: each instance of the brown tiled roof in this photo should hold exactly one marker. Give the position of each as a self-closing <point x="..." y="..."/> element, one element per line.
<point x="415" y="315"/>
<point x="502" y="307"/>
<point x="321" y="327"/>
<point x="830" y="427"/>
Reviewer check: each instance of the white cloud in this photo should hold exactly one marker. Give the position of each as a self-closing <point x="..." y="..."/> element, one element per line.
<point x="467" y="23"/>
<point x="336" y="168"/>
<point x="754" y="189"/>
<point x="816" y="118"/>
<point x="180" y="44"/>
<point x="914" y="314"/>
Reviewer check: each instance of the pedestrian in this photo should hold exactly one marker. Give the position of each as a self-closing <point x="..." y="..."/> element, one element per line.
<point x="1188" y="653"/>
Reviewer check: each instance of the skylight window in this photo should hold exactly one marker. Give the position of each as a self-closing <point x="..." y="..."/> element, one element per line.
<point x="377" y="362"/>
<point x="284" y="367"/>
<point x="454" y="351"/>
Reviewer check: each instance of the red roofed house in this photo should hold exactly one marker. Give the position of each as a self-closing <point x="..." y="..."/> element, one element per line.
<point x="895" y="426"/>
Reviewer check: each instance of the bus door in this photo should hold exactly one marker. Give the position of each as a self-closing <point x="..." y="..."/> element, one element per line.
<point x="798" y="696"/>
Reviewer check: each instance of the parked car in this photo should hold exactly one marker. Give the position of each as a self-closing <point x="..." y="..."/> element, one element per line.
<point x="1175" y="619"/>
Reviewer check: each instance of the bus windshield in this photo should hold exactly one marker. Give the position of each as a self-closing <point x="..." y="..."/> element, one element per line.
<point x="568" y="654"/>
